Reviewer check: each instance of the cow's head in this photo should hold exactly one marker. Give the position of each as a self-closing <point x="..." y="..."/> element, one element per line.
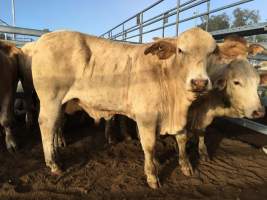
<point x="234" y="47"/>
<point x="240" y="83"/>
<point x="186" y="56"/>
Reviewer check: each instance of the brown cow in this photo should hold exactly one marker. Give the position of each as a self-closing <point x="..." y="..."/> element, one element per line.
<point x="9" y="63"/>
<point x="154" y="84"/>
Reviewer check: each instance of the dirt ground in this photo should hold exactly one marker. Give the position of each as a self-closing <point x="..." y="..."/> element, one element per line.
<point x="93" y="170"/>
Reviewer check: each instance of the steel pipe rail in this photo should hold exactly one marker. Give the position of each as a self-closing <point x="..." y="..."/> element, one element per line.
<point x="255" y="126"/>
<point x="130" y="18"/>
<point x="22" y="31"/>
<point x="248" y="30"/>
<point x="163" y="16"/>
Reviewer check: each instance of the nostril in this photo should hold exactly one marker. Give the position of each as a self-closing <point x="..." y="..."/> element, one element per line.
<point x="193" y="82"/>
<point x="258" y="113"/>
<point x="206" y="82"/>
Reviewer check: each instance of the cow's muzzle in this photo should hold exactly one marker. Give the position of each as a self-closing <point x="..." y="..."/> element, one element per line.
<point x="199" y="85"/>
<point x="258" y="113"/>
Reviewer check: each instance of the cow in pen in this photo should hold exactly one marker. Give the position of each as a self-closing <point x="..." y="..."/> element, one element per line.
<point x="153" y="83"/>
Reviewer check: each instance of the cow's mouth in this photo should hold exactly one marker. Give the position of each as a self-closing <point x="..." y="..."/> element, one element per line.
<point x="200" y="91"/>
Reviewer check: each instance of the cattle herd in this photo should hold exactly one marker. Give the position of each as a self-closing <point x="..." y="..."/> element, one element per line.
<point x="173" y="86"/>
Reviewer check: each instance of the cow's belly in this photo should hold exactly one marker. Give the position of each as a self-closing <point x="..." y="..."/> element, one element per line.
<point x="102" y="101"/>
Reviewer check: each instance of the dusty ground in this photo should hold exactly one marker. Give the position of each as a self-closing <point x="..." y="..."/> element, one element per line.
<point x="238" y="170"/>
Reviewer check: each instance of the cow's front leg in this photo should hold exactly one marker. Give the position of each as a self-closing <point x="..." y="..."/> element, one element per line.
<point x="11" y="144"/>
<point x="148" y="142"/>
<point x="186" y="167"/>
<point x="49" y="120"/>
<point x="202" y="148"/>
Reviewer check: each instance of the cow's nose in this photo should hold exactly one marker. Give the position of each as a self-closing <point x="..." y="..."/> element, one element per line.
<point x="199" y="85"/>
<point x="258" y="113"/>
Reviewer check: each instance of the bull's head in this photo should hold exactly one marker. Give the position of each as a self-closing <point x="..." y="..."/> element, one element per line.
<point x="240" y="83"/>
<point x="186" y="56"/>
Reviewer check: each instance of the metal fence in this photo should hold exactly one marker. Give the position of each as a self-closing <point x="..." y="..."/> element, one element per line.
<point x="138" y="26"/>
<point x="19" y="35"/>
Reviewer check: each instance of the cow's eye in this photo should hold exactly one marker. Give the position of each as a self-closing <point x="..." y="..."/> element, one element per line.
<point x="237" y="83"/>
<point x="179" y="50"/>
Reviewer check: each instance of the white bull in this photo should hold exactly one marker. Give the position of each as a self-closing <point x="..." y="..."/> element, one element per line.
<point x="154" y="84"/>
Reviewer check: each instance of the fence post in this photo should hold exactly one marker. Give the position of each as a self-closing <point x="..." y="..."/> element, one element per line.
<point x="123" y="36"/>
<point x="141" y="27"/>
<point x="13" y="17"/>
<point x="164" y="21"/>
<point x="207" y="16"/>
<point x="177" y="17"/>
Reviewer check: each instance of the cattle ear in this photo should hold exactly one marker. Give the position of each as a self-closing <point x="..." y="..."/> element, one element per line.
<point x="219" y="84"/>
<point x="162" y="49"/>
<point x="255" y="49"/>
<point x="156" y="38"/>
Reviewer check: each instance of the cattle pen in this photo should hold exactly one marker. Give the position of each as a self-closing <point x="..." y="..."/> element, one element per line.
<point x="96" y="169"/>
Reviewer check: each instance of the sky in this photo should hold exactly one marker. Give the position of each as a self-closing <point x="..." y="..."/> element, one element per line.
<point x="97" y="16"/>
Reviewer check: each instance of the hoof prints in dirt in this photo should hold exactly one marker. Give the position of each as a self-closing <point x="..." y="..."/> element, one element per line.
<point x="237" y="170"/>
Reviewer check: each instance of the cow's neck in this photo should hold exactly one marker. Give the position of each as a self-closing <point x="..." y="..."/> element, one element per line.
<point x="174" y="101"/>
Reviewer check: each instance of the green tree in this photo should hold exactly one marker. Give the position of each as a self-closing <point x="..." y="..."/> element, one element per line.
<point x="216" y="22"/>
<point x="244" y="17"/>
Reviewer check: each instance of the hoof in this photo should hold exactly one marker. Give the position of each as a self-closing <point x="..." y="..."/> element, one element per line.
<point x="186" y="168"/>
<point x="12" y="150"/>
<point x="56" y="172"/>
<point x="11" y="146"/>
<point x="154" y="184"/>
<point x="62" y="143"/>
<point x="204" y="157"/>
<point x="55" y="169"/>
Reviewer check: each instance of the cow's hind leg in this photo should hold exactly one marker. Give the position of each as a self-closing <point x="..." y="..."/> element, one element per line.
<point x="49" y="121"/>
<point x="184" y="162"/>
<point x="148" y="142"/>
<point x="11" y="144"/>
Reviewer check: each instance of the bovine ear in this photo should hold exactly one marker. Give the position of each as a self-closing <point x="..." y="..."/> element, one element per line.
<point x="235" y="38"/>
<point x="156" y="38"/>
<point x="254" y="49"/>
<point x="219" y="84"/>
<point x="162" y="49"/>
